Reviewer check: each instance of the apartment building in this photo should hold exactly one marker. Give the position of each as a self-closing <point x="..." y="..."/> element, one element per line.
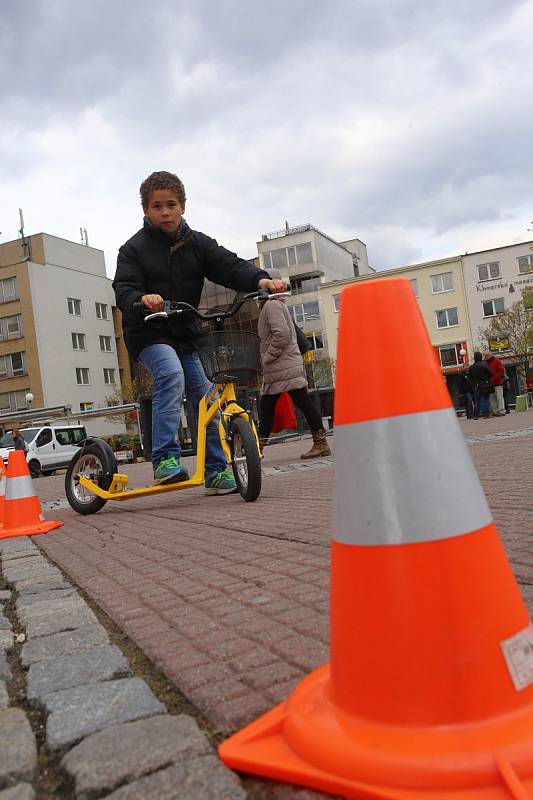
<point x="308" y="258"/>
<point x="494" y="280"/>
<point x="57" y="339"/>
<point x="438" y="286"/>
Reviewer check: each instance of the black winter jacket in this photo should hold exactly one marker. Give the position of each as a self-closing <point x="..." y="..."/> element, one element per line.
<point x="480" y="371"/>
<point x="149" y="263"/>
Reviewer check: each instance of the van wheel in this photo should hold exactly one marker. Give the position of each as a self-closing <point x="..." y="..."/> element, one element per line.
<point x="96" y="462"/>
<point x="35" y="469"/>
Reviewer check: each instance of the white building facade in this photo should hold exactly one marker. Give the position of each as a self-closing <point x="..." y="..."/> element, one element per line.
<point x="63" y="298"/>
<point x="494" y="280"/>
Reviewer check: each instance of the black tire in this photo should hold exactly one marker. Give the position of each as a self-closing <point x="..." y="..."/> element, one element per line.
<point x="96" y="461"/>
<point x="245" y="459"/>
<point x="35" y="468"/>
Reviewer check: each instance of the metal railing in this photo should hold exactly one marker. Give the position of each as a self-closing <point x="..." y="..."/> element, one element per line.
<point x="45" y="413"/>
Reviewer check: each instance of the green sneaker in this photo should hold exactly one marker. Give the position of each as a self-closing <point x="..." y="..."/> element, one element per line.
<point x="221" y="483"/>
<point x="170" y="471"/>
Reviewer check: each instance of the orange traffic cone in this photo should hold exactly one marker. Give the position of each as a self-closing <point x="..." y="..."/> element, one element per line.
<point x="429" y="692"/>
<point x="2" y="491"/>
<point x="22" y="510"/>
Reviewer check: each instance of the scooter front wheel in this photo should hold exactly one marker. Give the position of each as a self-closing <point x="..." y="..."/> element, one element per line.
<point x="94" y="461"/>
<point x="245" y="459"/>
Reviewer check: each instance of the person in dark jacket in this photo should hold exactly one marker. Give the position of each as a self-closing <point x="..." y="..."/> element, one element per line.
<point x="481" y="376"/>
<point x="467" y="389"/>
<point x="166" y="260"/>
<point x="19" y="441"/>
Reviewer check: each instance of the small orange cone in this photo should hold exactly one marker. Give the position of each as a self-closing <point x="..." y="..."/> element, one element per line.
<point x="429" y="691"/>
<point x="22" y="510"/>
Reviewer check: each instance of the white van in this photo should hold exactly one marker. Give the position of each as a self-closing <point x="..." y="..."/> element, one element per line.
<point x="50" y="447"/>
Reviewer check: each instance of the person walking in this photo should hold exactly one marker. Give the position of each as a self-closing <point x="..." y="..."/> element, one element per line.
<point x="506" y="391"/>
<point x="283" y="371"/>
<point x="19" y="441"/>
<point x="481" y="376"/>
<point x="467" y="388"/>
<point x="497" y="404"/>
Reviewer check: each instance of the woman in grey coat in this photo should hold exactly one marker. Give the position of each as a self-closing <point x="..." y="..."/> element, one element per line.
<point x="283" y="371"/>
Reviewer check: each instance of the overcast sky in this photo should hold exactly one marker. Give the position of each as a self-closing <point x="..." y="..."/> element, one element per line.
<point x="405" y="123"/>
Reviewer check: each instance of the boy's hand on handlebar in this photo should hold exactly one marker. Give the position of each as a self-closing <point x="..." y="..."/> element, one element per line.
<point x="154" y="302"/>
<point x="273" y="286"/>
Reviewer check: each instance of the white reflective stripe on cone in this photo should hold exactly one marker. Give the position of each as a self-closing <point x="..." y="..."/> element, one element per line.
<point x="2" y="485"/>
<point x="405" y="479"/>
<point x="19" y="488"/>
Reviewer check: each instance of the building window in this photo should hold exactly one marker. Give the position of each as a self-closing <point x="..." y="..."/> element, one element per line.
<point x="525" y="264"/>
<point x="86" y="406"/>
<point x="308" y="284"/>
<point x="487" y="272"/>
<point x="109" y="375"/>
<point x="82" y="376"/>
<point x="336" y="302"/>
<point x="17" y="364"/>
<point x="316" y="340"/>
<point x="493" y="307"/>
<point x="8" y="290"/>
<point x="12" y="365"/>
<point x="78" y="341"/>
<point x="14" y="401"/>
<point x="450" y="354"/>
<point x="304" y="312"/>
<point x="101" y="310"/>
<point x="288" y="256"/>
<point x="442" y="283"/>
<point x="414" y="285"/>
<point x="105" y="344"/>
<point x="74" y="307"/>
<point x="447" y="317"/>
<point x="11" y="327"/>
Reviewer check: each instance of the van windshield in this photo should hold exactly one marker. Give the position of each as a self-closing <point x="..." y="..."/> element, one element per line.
<point x="28" y="434"/>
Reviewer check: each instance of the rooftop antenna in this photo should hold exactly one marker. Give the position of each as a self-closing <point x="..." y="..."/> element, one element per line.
<point x="84" y="237"/>
<point x="25" y="241"/>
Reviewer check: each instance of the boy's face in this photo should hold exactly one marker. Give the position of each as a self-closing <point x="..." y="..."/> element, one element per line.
<point x="164" y="210"/>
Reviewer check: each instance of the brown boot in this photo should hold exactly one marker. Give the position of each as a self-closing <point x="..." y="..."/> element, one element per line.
<point x="320" y="446"/>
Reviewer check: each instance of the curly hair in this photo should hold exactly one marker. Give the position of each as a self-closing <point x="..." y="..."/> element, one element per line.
<point x="162" y="180"/>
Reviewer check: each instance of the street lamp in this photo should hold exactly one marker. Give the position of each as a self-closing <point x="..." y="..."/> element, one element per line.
<point x="462" y="353"/>
<point x="29" y="398"/>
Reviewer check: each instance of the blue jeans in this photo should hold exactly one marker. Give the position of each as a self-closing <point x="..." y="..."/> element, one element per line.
<point x="173" y="374"/>
<point x="483" y="409"/>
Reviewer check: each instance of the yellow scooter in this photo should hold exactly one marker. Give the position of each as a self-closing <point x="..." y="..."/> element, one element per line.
<point x="228" y="357"/>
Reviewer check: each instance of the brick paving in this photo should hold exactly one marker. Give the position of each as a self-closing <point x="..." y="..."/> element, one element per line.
<point x="230" y="599"/>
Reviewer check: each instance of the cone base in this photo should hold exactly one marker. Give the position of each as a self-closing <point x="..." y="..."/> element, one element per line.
<point x="30" y="530"/>
<point x="310" y="742"/>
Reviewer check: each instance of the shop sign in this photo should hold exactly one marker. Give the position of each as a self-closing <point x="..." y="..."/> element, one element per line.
<point x="309" y="356"/>
<point x="497" y="345"/>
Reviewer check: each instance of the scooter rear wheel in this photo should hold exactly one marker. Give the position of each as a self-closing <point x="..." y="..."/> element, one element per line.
<point x="94" y="461"/>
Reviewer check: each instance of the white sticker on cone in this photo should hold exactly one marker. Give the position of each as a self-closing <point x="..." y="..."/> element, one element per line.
<point x="518" y="654"/>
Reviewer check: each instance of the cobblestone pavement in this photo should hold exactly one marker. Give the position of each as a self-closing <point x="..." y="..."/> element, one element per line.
<point x="229" y="602"/>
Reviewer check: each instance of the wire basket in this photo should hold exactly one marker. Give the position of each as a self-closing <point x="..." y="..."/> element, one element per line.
<point x="230" y="356"/>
